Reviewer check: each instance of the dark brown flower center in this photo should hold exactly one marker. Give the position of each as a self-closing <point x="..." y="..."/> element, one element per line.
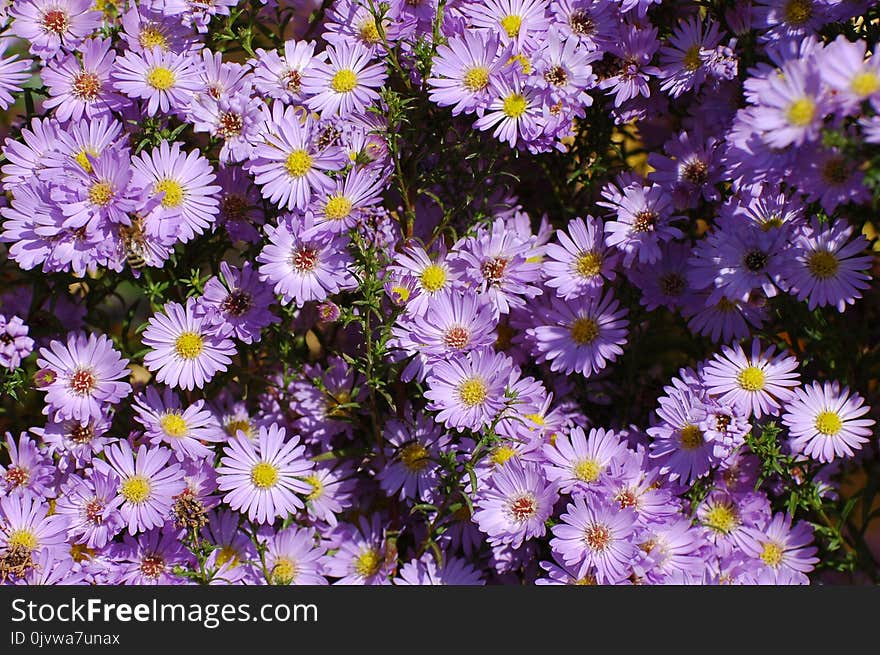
<point x="645" y="220"/>
<point x="493" y="269"/>
<point x="86" y="86"/>
<point x="457" y="337"/>
<point x="305" y="259"/>
<point x="56" y="21"/>
<point x="236" y="303"/>
<point x="755" y="261"/>
<point x="229" y="125"/>
<point x="152" y="566"/>
<point x="83" y="382"/>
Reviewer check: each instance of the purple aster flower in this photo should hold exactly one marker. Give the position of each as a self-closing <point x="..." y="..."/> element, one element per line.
<point x="599" y="536"/>
<point x="74" y="440"/>
<point x="25" y="523"/>
<point x="15" y="344"/>
<point x="80" y="86"/>
<point x="411" y="469"/>
<point x="28" y="156"/>
<point x="184" y="430"/>
<point x="345" y="83"/>
<point x="82" y="142"/>
<point x="513" y="109"/>
<point x="237" y="298"/>
<point x="832" y="178"/>
<point x="682" y="64"/>
<point x="186" y="351"/>
<point x="853" y="76"/>
<point x="29" y="472"/>
<point x="294" y="557"/>
<point x="580" y="336"/>
<point x="664" y="283"/>
<point x="520" y="22"/>
<point x="781" y="545"/>
<point x="51" y="568"/>
<point x="631" y="482"/>
<point x="331" y="492"/>
<point x="13" y="73"/>
<point x="49" y="24"/>
<point x="468" y="391"/>
<point x="422" y="273"/>
<point x="239" y="200"/>
<point x="463" y="70"/>
<point x="280" y="77"/>
<point x="362" y="555"/>
<point x="789" y="20"/>
<point x="91" y="508"/>
<point x="326" y="399"/>
<point x="825" y="422"/>
<point x="690" y="171"/>
<point x="723" y="321"/>
<point x="147" y="483"/>
<point x="426" y="571"/>
<point x="593" y="23"/>
<point x="144" y="28"/>
<point x="150" y="559"/>
<point x="235" y="119"/>
<point x="579" y="264"/>
<point x="793" y="104"/>
<point x="197" y="14"/>
<point x="726" y="517"/>
<point x="643" y="221"/>
<point x="827" y="267"/>
<point x="560" y="573"/>
<point x="186" y="183"/>
<point x="289" y="167"/>
<point x="83" y="378"/>
<point x="754" y="383"/>
<point x="565" y="73"/>
<point x="579" y="461"/>
<point x="263" y="477"/>
<point x="632" y="53"/>
<point x="234" y="556"/>
<point x="515" y="503"/>
<point x="302" y="265"/>
<point x="342" y="206"/>
<point x="166" y="80"/>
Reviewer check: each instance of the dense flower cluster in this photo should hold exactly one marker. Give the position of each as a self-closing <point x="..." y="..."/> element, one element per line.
<point x="420" y="292"/>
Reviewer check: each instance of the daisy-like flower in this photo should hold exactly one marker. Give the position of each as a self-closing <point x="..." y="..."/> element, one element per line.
<point x="468" y="391"/>
<point x="183" y="429"/>
<point x="287" y="165"/>
<point x="150" y="559"/>
<point x="453" y="323"/>
<point x="15" y="344"/>
<point x="754" y="383"/>
<point x="723" y="321"/>
<point x="514" y="110"/>
<point x="80" y="86"/>
<point x="580" y="336"/>
<point x="683" y="68"/>
<point x="186" y="351"/>
<point x="26" y="525"/>
<point x="29" y="472"/>
<point x="147" y="483"/>
<point x="515" y="503"/>
<point x="599" y="536"/>
<point x="726" y="516"/>
<point x="83" y="377"/>
<point x="262" y="477"/>
<point x="294" y="558"/>
<point x="463" y="70"/>
<point x="426" y="571"/>
<point x="74" y="441"/>
<point x="826" y="422"/>
<point x="303" y="265"/>
<point x="233" y="118"/>
<point x="429" y="275"/>
<point x="331" y="492"/>
<point x="48" y="24"/>
<point x="827" y="267"/>
<point x="91" y="507"/>
<point x="280" y="77"/>
<point x="13" y="72"/>
<point x="144" y="28"/>
<point x="361" y="558"/>
<point x="233" y="559"/>
<point x="345" y="83"/>
<point x="412" y="465"/>
<point x="847" y="70"/>
<point x="237" y="299"/>
<point x="782" y="546"/>
<point x="579" y="264"/>
<point x="578" y="461"/>
<point x="184" y="182"/>
<point x="166" y="80"/>
<point x="520" y="22"/>
<point x="340" y="207"/>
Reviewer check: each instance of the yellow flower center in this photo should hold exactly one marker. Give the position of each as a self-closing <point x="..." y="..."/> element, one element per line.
<point x="174" y="425"/>
<point x="801" y="112"/>
<point x="264" y="475"/>
<point x="473" y="391"/>
<point x="828" y="423"/>
<point x="161" y="78"/>
<point x="587" y="470"/>
<point x="798" y="12"/>
<point x="173" y="191"/>
<point x="298" y="163"/>
<point x="772" y="554"/>
<point x="22" y="539"/>
<point x="368" y="562"/>
<point x="189" y="345"/>
<point x="317" y="487"/>
<point x="866" y="83"/>
<point x="82" y="158"/>
<point x="232" y="427"/>
<point x="401" y="293"/>
<point x="501" y="454"/>
<point x="721" y="518"/>
<point x="369" y="31"/>
<point x="344" y="81"/>
<point x="337" y="208"/>
<point x="588" y="264"/>
<point x="227" y="555"/>
<point x="822" y="264"/>
<point x="136" y="489"/>
<point x="81" y="552"/>
<point x="284" y="572"/>
<point x="692" y="60"/>
<point x="584" y="331"/>
<point x="433" y="278"/>
<point x="101" y="194"/>
<point x="537" y="419"/>
<point x="511" y="24"/>
<point x="523" y="61"/>
<point x="751" y="378"/>
<point x="514" y="105"/>
<point x="151" y="37"/>
<point x="691" y="437"/>
<point x="414" y="457"/>
<point x="476" y="78"/>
